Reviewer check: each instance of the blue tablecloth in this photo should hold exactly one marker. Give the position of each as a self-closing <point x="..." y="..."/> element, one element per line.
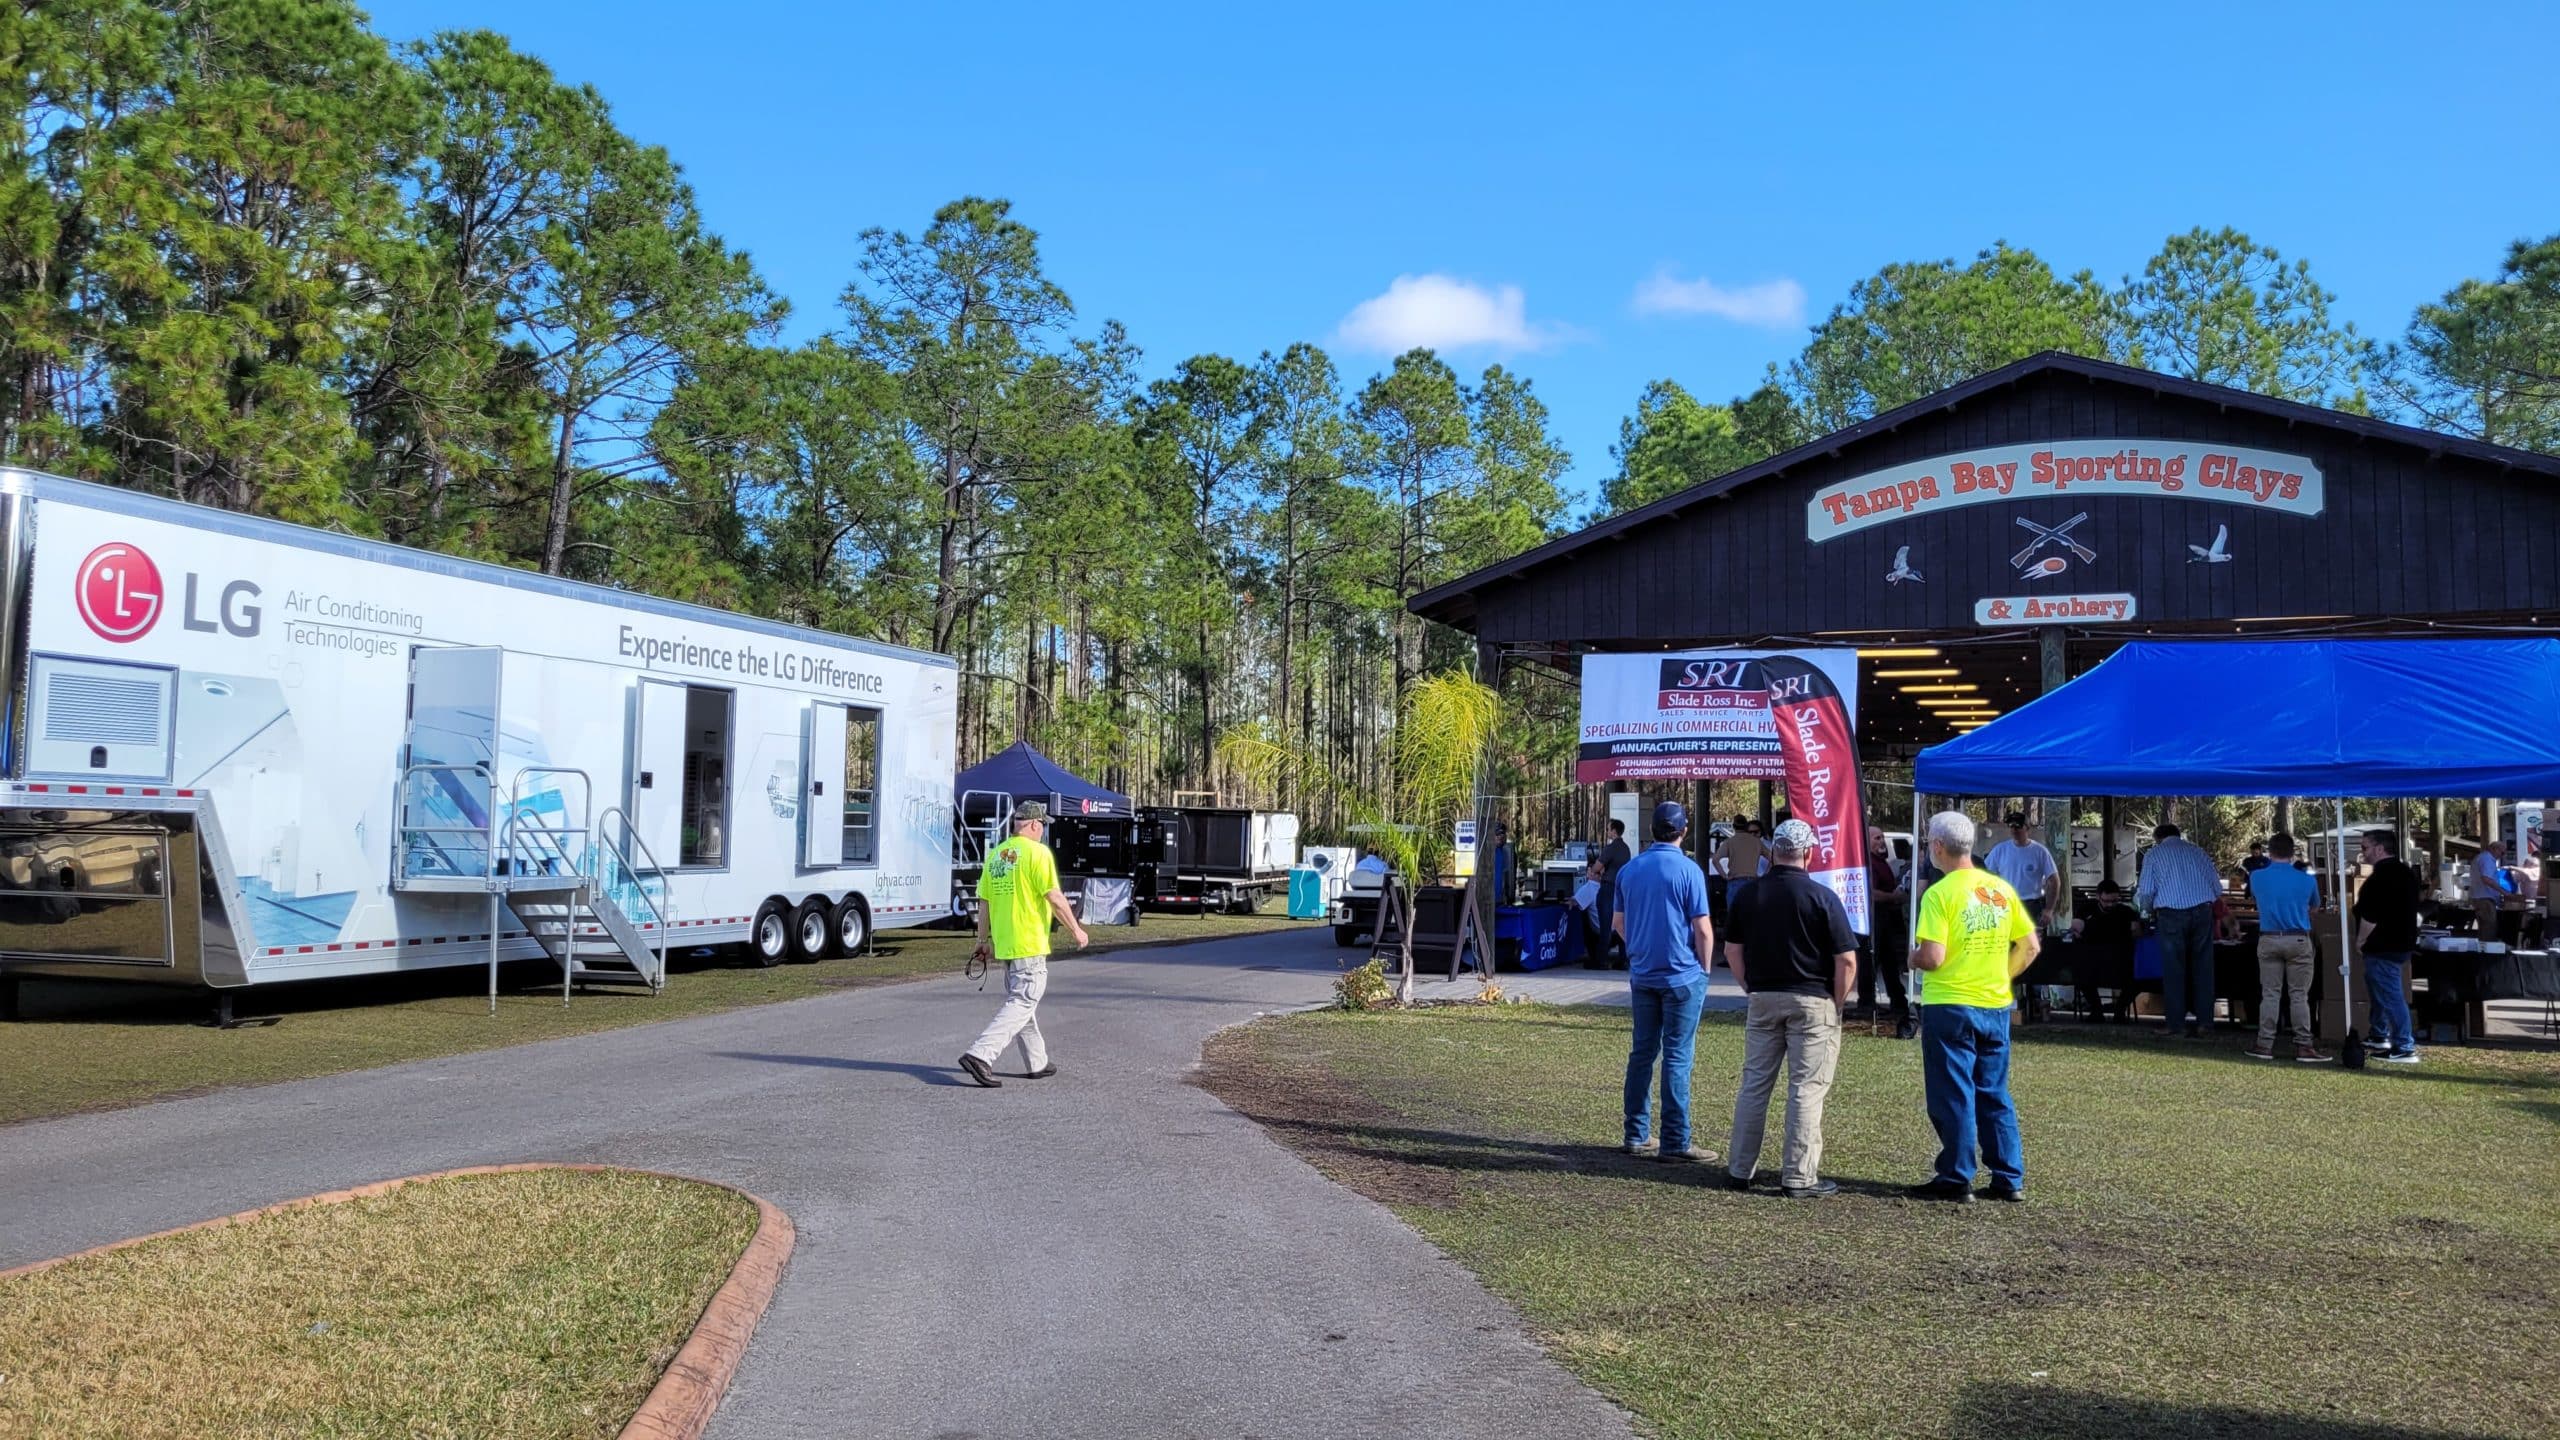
<point x="1540" y="936"/>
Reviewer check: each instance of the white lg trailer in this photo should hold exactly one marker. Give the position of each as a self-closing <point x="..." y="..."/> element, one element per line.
<point x="239" y="751"/>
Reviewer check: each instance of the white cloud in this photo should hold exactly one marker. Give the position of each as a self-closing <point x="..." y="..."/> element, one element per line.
<point x="1771" y="304"/>
<point x="1443" y="313"/>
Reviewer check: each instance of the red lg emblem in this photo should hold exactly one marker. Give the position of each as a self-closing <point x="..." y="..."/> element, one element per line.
<point x="119" y="592"/>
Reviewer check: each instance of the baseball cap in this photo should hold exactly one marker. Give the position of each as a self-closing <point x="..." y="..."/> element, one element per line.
<point x="1795" y="837"/>
<point x="2017" y="817"/>
<point x="1030" y="810"/>
<point x="1670" y="815"/>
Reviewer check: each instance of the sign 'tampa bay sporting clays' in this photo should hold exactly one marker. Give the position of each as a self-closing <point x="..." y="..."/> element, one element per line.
<point x="2175" y="469"/>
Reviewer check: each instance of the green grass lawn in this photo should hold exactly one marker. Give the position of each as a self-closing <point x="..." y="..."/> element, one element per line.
<point x="88" y="1046"/>
<point x="2213" y="1245"/>
<point x="540" y="1305"/>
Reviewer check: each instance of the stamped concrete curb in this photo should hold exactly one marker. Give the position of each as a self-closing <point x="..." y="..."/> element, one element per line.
<point x="679" y="1406"/>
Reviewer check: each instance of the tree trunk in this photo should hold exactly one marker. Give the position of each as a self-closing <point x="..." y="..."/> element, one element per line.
<point x="564" y="480"/>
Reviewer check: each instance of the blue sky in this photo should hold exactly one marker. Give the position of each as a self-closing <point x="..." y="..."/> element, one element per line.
<point x="1594" y="195"/>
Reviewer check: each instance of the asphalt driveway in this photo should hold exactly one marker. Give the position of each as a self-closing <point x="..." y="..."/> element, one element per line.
<point x="1110" y="1252"/>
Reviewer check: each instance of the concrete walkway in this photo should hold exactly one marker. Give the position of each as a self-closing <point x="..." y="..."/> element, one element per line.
<point x="1111" y="1252"/>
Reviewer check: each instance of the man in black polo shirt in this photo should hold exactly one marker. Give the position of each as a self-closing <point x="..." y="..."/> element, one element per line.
<point x="1791" y="947"/>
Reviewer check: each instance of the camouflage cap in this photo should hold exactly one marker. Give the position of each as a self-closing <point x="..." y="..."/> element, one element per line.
<point x="1029" y="810"/>
<point x="1794" y="837"/>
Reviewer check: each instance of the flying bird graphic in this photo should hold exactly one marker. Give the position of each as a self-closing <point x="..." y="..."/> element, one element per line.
<point x="2200" y="555"/>
<point x="1902" y="570"/>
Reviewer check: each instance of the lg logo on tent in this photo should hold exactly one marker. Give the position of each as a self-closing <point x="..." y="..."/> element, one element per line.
<point x="119" y="592"/>
<point x="120" y="595"/>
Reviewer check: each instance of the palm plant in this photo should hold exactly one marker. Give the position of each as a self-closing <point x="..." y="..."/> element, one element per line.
<point x="1442" y="737"/>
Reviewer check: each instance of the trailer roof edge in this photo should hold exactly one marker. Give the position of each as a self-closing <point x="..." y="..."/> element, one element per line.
<point x="43" y="486"/>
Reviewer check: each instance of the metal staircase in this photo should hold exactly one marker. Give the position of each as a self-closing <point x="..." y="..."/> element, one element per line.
<point x="568" y="879"/>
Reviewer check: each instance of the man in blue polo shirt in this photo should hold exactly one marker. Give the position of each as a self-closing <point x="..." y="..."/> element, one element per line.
<point x="1662" y="916"/>
<point x="2285" y="897"/>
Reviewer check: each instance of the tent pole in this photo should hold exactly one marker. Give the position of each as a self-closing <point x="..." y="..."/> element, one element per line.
<point x="2346" y="971"/>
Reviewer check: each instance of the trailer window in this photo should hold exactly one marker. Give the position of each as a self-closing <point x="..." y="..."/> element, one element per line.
<point x="706" y="776"/>
<point x="861" y="786"/>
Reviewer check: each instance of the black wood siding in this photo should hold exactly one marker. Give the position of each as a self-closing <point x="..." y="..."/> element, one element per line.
<point x="2404" y="535"/>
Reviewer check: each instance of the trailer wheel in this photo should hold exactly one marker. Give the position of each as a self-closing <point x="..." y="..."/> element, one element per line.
<point x="769" y="940"/>
<point x="1345" y="936"/>
<point x="853" y="926"/>
<point x="813" y="926"/>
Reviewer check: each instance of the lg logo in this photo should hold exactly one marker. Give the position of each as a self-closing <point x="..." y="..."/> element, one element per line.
<point x="119" y="593"/>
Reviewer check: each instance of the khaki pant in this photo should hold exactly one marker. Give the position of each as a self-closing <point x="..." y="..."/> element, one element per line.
<point x="1018" y="1018"/>
<point x="1804" y="1031"/>
<point x="2284" y="968"/>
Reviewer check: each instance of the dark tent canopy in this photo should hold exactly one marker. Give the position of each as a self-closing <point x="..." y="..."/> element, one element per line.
<point x="1023" y="773"/>
<point x="2286" y="717"/>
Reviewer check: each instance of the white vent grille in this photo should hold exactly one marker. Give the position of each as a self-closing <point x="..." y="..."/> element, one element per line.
<point x="105" y="710"/>
<point x="99" y="719"/>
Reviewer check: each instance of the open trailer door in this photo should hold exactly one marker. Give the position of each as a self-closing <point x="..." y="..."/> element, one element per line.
<point x="657" y="768"/>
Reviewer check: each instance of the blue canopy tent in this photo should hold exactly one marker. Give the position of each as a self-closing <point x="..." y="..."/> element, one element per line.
<point x="1020" y="773"/>
<point x="2396" y="718"/>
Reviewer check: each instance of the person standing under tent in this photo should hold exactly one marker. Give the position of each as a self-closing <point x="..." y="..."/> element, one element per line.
<point x="1017" y="894"/>
<point x="2109" y="931"/>
<point x="1598" y="937"/>
<point x="1501" y="863"/>
<point x="2023" y="861"/>
<point x="2491" y="883"/>
<point x="1614" y="856"/>
<point x="2178" y="890"/>
<point x="2387" y="912"/>
<point x="1881" y="965"/>
<point x="1662" y="917"/>
<point x="2285" y="954"/>
<point x="1794" y="954"/>
<point x="1975" y="940"/>
<point x="2257" y="860"/>
<point x="1740" y="861"/>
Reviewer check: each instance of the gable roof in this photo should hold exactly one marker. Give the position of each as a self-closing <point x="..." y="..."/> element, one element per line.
<point x="1445" y="601"/>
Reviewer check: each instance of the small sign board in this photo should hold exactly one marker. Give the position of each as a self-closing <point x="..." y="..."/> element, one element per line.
<point x="2053" y="610"/>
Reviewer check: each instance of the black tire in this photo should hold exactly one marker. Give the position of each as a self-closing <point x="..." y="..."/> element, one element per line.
<point x="852" y="926"/>
<point x="1345" y="936"/>
<point x="813" y="929"/>
<point x="769" y="937"/>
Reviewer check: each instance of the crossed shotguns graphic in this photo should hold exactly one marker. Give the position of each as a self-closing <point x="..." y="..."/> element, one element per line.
<point x="2052" y="535"/>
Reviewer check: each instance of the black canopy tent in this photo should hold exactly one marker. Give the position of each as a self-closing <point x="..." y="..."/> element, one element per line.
<point x="2334" y="718"/>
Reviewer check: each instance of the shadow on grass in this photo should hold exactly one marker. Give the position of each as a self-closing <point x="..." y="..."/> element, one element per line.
<point x="929" y="1074"/>
<point x="1497" y="1155"/>
<point x="2031" y="1410"/>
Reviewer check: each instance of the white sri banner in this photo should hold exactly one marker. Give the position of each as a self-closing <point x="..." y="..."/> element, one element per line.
<point x="1691" y="714"/>
<point x="2178" y="469"/>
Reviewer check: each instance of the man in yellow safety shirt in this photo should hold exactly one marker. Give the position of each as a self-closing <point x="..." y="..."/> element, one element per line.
<point x="1017" y="894"/>
<point x="1975" y="939"/>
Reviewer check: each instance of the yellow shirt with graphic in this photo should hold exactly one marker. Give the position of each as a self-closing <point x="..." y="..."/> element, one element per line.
<point x="1015" y="889"/>
<point x="1975" y="915"/>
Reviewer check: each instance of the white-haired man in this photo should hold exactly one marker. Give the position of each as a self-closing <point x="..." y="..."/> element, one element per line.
<point x="1017" y="894"/>
<point x="1974" y="940"/>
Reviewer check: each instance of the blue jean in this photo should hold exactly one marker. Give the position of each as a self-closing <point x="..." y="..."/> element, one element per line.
<point x="2186" y="964"/>
<point x="1964" y="1070"/>
<point x="2389" y="993"/>
<point x="1666" y="1028"/>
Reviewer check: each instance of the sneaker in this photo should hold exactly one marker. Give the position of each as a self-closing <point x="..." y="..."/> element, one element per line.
<point x="2310" y="1057"/>
<point x="1043" y="1073"/>
<point x="1739" y="1184"/>
<point x="1941" y="1190"/>
<point x="1641" y="1148"/>
<point x="2262" y="1052"/>
<point x="1815" y="1191"/>
<point x="2401" y="1057"/>
<point x="2012" y="1194"/>
<point x="1688" y="1155"/>
<point x="979" y="1072"/>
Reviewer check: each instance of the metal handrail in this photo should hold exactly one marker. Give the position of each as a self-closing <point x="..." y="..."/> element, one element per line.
<point x="487" y="832"/>
<point x="662" y="915"/>
<point x="557" y="844"/>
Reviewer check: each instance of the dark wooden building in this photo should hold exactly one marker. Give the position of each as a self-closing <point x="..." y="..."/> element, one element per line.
<point x="2027" y="521"/>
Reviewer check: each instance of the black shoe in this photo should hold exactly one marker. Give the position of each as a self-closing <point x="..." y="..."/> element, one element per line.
<point x="1814" y="1191"/>
<point x="2014" y="1194"/>
<point x="1941" y="1190"/>
<point x="979" y="1072"/>
<point x="1043" y="1073"/>
<point x="1740" y="1185"/>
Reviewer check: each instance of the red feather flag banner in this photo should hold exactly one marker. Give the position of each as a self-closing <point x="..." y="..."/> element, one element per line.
<point x="1820" y="744"/>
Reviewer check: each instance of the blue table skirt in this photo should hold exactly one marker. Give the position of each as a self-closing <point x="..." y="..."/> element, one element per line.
<point x="1545" y="935"/>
